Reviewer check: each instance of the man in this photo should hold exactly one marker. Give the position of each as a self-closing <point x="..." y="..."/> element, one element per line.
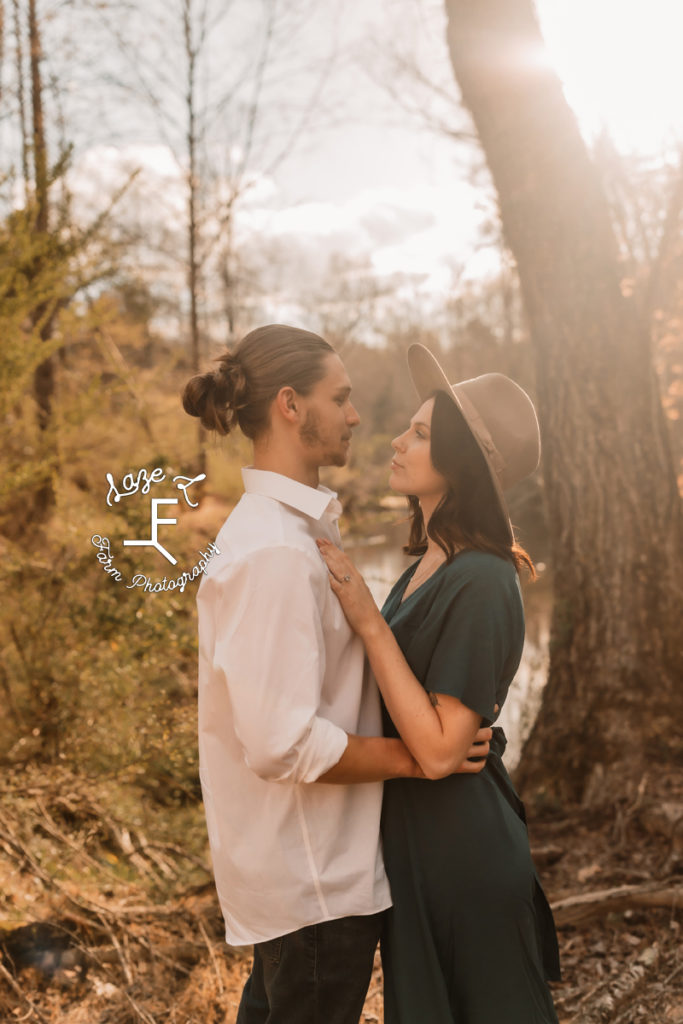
<point x="291" y="753"/>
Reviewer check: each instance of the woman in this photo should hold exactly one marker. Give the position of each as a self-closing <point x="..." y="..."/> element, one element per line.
<point x="470" y="938"/>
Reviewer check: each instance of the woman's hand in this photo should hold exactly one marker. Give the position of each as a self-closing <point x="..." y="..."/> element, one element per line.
<point x="356" y="600"/>
<point x="442" y="735"/>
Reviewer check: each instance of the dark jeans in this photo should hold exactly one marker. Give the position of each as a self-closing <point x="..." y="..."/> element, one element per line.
<point x="316" y="975"/>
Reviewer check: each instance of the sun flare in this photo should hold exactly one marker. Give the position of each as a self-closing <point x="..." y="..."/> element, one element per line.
<point x="621" y="66"/>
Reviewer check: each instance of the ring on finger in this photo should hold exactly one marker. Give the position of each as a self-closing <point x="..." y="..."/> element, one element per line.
<point x="346" y="579"/>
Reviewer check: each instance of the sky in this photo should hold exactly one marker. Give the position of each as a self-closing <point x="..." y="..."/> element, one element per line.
<point x="371" y="180"/>
<point x="620" y="65"/>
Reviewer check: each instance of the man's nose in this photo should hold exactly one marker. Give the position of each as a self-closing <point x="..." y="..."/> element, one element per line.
<point x="352" y="417"/>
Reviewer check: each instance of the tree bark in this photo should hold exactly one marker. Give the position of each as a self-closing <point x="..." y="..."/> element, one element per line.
<point x="2" y="44"/>
<point x="39" y="143"/>
<point x="44" y="376"/>
<point x="192" y="204"/>
<point x="19" y="64"/>
<point x="613" y="696"/>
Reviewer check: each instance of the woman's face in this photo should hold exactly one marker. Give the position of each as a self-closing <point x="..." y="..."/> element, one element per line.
<point x="412" y="471"/>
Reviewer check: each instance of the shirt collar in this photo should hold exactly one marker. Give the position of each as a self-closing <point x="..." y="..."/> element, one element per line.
<point x="312" y="501"/>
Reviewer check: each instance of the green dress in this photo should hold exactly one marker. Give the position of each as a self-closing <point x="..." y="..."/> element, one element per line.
<point x="470" y="938"/>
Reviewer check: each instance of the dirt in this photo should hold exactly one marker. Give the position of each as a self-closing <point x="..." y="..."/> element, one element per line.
<point x="130" y="929"/>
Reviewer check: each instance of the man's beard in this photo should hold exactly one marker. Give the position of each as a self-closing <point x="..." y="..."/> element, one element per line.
<point x="309" y="432"/>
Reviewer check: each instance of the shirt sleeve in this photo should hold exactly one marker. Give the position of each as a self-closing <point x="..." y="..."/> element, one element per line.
<point x="270" y="650"/>
<point x="471" y="641"/>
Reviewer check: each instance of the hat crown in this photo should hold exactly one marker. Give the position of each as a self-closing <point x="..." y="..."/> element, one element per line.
<point x="501" y="413"/>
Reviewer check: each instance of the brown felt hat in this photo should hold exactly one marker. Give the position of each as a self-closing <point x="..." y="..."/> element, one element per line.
<point x="499" y="414"/>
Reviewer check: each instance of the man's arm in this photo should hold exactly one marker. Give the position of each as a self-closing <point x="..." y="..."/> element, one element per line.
<point x="376" y="759"/>
<point x="373" y="759"/>
<point x="269" y="647"/>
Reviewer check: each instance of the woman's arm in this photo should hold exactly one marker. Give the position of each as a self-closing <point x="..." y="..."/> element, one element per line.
<point x="437" y="729"/>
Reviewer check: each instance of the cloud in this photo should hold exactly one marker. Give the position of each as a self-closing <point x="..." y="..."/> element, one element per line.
<point x="390" y="223"/>
<point x="415" y="231"/>
<point x="412" y="234"/>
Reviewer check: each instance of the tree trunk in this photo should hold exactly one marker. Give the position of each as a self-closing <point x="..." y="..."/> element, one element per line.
<point x="19" y="70"/>
<point x="44" y="376"/>
<point x="2" y="45"/>
<point x="612" y="707"/>
<point x="229" y="278"/>
<point x="199" y="465"/>
<point x="39" y="144"/>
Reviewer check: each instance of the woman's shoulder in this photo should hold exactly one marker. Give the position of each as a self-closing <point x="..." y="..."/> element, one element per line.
<point x="480" y="566"/>
<point x="480" y="578"/>
<point x="478" y="582"/>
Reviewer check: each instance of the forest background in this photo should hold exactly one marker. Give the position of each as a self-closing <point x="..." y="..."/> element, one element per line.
<point x="140" y="231"/>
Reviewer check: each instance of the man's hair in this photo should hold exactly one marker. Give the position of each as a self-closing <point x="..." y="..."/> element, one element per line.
<point x="247" y="378"/>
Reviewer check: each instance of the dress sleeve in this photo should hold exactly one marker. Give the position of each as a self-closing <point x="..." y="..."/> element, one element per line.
<point x="270" y="650"/>
<point x="471" y="639"/>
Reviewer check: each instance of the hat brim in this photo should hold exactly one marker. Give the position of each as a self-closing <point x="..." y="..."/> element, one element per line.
<point x="428" y="377"/>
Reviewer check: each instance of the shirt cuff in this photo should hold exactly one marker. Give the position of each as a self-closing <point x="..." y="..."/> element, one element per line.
<point x="320" y="751"/>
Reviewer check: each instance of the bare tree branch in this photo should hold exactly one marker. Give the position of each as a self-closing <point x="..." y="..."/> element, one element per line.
<point x="669" y="234"/>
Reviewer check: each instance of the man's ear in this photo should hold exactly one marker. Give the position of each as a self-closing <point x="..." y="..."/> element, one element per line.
<point x="287" y="403"/>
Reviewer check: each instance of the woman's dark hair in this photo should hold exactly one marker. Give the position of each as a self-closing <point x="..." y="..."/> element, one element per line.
<point x="469" y="513"/>
<point x="248" y="377"/>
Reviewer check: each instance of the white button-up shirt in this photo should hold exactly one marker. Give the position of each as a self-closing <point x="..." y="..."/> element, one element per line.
<point x="281" y="683"/>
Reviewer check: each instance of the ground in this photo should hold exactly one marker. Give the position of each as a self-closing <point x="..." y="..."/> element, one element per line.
<point x="105" y="924"/>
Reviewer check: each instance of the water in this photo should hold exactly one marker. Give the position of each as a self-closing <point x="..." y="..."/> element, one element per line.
<point x="382" y="561"/>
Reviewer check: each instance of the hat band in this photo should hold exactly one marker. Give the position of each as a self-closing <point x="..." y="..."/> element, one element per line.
<point x="482" y="434"/>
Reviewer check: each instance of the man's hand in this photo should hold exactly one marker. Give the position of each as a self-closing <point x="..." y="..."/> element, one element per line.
<point x="479" y="750"/>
